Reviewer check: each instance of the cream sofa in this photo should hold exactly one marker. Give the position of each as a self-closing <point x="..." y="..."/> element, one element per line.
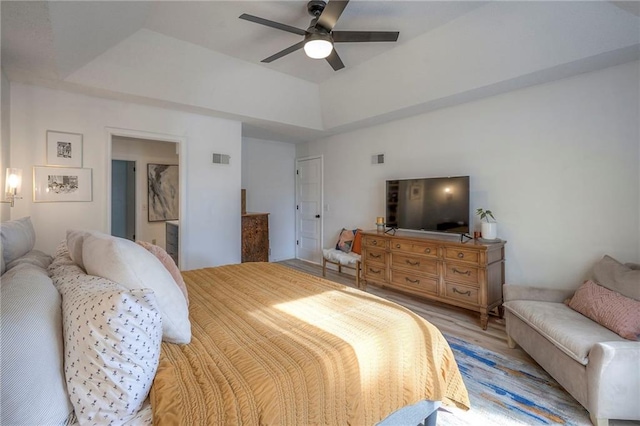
<point x="600" y="369"/>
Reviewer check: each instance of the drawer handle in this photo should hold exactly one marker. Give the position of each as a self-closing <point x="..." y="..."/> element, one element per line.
<point x="375" y="271"/>
<point x="464" y="293"/>
<point x="427" y="250"/>
<point x="375" y="256"/>
<point x="397" y="245"/>
<point x="467" y="273"/>
<point x="375" y="242"/>
<point x="412" y="281"/>
<point x="460" y="255"/>
<point x="412" y="263"/>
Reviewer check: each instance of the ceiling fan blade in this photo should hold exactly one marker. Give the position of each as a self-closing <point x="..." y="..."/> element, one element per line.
<point x="364" y="36"/>
<point x="335" y="61"/>
<point x="284" y="52"/>
<point x="272" y="24"/>
<point x="331" y="14"/>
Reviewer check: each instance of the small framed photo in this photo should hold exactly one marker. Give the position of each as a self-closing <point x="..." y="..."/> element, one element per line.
<point x="64" y="149"/>
<point x="55" y="184"/>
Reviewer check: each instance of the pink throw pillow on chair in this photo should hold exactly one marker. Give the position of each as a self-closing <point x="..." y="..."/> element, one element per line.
<point x="169" y="264"/>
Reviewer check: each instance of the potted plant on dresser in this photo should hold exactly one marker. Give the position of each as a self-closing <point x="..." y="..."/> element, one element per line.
<point x="489" y="229"/>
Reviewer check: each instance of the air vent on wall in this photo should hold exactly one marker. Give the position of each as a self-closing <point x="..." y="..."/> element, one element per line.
<point x="377" y="159"/>
<point x="221" y="158"/>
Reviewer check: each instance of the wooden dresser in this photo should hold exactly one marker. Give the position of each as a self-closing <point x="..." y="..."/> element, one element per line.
<point x="255" y="237"/>
<point x="172" y="229"/>
<point x="468" y="274"/>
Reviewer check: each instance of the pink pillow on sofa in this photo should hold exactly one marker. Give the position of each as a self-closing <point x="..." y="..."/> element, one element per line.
<point x="608" y="308"/>
<point x="168" y="263"/>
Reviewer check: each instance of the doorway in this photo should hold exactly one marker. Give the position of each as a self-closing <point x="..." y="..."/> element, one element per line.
<point x="309" y="209"/>
<point x="123" y="199"/>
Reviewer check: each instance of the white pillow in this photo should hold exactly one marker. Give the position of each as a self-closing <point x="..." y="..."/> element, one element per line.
<point x="112" y="347"/>
<point x="2" y="264"/>
<point x="130" y="265"/>
<point x="33" y="389"/>
<point x="75" y="239"/>
<point x="18" y="238"/>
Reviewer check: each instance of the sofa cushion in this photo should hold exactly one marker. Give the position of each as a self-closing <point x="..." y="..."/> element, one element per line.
<point x="568" y="330"/>
<point x="610" y="309"/>
<point x="615" y="276"/>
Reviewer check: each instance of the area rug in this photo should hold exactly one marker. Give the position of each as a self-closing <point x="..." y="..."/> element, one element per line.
<point x="507" y="391"/>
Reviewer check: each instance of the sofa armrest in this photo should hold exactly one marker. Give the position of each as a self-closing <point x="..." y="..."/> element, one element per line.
<point x="519" y="292"/>
<point x="613" y="380"/>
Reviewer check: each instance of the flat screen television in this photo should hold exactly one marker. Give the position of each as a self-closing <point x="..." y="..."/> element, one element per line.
<point x="438" y="204"/>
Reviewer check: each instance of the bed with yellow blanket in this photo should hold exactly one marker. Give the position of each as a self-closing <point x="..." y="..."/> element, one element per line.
<point x="274" y="346"/>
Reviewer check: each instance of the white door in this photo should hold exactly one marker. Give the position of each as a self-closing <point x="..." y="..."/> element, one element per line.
<point x="309" y="209"/>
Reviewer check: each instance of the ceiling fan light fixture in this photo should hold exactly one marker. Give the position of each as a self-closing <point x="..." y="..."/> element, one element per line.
<point x="318" y="46"/>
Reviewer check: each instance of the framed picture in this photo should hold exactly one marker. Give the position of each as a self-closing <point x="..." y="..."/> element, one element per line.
<point x="54" y="184"/>
<point x="415" y="192"/>
<point x="64" y="149"/>
<point x="164" y="201"/>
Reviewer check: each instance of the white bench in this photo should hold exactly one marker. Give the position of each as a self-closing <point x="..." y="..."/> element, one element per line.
<point x="340" y="258"/>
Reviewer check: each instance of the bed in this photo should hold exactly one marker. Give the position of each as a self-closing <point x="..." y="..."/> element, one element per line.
<point x="267" y="345"/>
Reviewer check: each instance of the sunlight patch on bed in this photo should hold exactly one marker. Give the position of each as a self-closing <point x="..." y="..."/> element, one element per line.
<point x="367" y="328"/>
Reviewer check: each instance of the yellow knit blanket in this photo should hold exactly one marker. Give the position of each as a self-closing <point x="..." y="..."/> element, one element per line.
<point x="273" y="346"/>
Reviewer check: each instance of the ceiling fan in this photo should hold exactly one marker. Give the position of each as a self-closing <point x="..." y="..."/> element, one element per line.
<point x="320" y="36"/>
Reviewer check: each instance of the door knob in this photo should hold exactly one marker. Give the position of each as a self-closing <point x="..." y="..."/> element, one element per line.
<point x="318" y="216"/>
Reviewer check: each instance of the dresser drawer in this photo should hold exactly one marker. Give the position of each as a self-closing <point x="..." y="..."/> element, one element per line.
<point x="461" y="273"/>
<point x="426" y="249"/>
<point x="375" y="256"/>
<point x="462" y="255"/>
<point x="462" y="292"/>
<point x="375" y="242"/>
<point x="414" y="263"/>
<point x="420" y="283"/>
<point x="171" y="247"/>
<point x="375" y="272"/>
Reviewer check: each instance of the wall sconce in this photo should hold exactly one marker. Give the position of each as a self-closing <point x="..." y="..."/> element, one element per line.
<point x="449" y="193"/>
<point x="12" y="185"/>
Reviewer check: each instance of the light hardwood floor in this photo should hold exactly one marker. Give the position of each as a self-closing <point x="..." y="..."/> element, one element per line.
<point x="450" y="320"/>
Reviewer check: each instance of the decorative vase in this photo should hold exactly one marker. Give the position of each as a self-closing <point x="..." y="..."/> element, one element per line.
<point x="489" y="230"/>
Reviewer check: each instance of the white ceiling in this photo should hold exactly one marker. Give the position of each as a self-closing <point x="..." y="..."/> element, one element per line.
<point x="47" y="42"/>
<point x="60" y="37"/>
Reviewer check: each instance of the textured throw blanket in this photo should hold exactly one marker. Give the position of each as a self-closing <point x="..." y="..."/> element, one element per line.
<point x="273" y="346"/>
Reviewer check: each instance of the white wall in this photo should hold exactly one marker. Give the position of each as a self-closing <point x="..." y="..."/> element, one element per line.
<point x="268" y="175"/>
<point x="210" y="228"/>
<point x="557" y="164"/>
<point x="145" y="152"/>
<point x="4" y="142"/>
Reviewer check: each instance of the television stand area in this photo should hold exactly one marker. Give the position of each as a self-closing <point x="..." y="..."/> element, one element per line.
<point x="437" y="267"/>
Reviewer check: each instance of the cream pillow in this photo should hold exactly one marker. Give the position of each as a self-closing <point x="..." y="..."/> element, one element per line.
<point x="168" y="263"/>
<point x="133" y="267"/>
<point x="75" y="238"/>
